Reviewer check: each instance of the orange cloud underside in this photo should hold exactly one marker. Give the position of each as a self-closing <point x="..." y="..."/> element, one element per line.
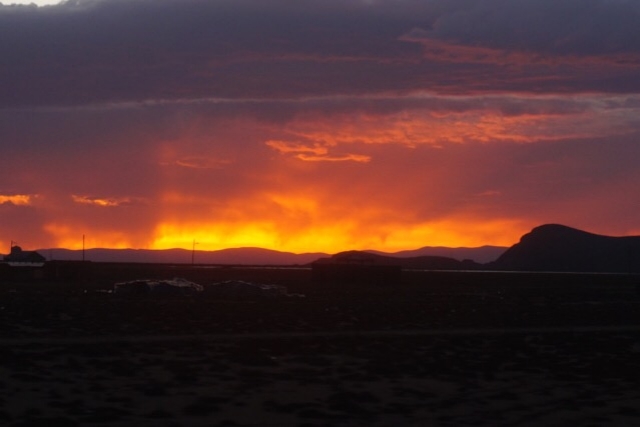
<point x="317" y="137"/>
<point x="316" y="209"/>
<point x="16" y="199"/>
<point x="326" y="185"/>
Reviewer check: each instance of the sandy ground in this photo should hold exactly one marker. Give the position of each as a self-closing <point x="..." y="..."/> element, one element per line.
<point x="525" y="379"/>
<point x="409" y="360"/>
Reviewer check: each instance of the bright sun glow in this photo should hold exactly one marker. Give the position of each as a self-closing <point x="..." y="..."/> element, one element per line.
<point x="336" y="237"/>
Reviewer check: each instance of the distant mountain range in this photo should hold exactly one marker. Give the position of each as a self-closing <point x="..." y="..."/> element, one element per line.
<point x="549" y="247"/>
<point x="480" y="255"/>
<point x="418" y="262"/>
<point x="254" y="256"/>
<point x="235" y="256"/>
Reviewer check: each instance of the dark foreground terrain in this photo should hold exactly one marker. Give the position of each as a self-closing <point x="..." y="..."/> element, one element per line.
<point x="436" y="348"/>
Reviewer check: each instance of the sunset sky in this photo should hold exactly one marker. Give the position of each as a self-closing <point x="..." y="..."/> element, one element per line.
<point x="316" y="125"/>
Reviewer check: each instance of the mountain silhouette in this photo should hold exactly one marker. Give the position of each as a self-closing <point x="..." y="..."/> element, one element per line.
<point x="554" y="247"/>
<point x="233" y="256"/>
<point x="549" y="247"/>
<point x="260" y="256"/>
<point x="482" y="254"/>
<point x="419" y="262"/>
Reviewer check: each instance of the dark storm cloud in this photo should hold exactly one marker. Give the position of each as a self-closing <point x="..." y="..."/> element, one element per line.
<point x="119" y="50"/>
<point x="544" y="27"/>
<point x="97" y="51"/>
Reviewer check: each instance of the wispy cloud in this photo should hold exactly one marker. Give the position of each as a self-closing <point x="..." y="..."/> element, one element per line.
<point x="314" y="153"/>
<point x="201" y="162"/>
<point x="286" y="147"/>
<point x="16" y="199"/>
<point x="104" y="202"/>
<point x="361" y="158"/>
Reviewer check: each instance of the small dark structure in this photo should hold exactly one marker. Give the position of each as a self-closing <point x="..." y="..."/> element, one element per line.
<point x="22" y="266"/>
<point x="354" y="273"/>
<point x="355" y="267"/>
<point x="18" y="257"/>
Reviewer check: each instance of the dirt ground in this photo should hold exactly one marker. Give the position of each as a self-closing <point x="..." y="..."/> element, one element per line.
<point x="435" y="349"/>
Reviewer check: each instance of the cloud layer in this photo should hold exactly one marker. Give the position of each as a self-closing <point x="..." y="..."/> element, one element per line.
<point x="322" y="125"/>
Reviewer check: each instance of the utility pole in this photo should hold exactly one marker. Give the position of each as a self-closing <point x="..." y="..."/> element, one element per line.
<point x="83" y="248"/>
<point x="193" y="252"/>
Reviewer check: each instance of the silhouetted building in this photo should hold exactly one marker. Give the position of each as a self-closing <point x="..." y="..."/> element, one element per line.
<point x="18" y="257"/>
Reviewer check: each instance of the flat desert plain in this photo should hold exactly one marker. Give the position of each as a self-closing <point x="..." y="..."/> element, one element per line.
<point x="434" y="349"/>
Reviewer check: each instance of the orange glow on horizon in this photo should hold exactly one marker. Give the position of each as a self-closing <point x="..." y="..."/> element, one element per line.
<point x="290" y="222"/>
<point x="337" y="237"/>
<point x="69" y="237"/>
